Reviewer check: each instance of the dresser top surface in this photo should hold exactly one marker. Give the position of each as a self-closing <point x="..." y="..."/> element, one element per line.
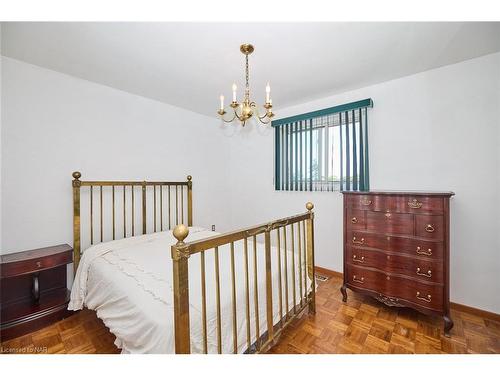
<point x="403" y="192"/>
<point x="34" y="254"/>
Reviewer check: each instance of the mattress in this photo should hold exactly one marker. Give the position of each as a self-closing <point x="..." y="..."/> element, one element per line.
<point x="129" y="284"/>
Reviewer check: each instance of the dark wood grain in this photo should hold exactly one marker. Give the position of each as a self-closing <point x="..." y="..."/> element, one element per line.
<point x="397" y="263"/>
<point x="34" y="254"/>
<point x="33" y="289"/>
<point x="389" y="222"/>
<point x="424" y="224"/>
<point x="403" y="289"/>
<point x="410" y="245"/>
<point x="397" y="251"/>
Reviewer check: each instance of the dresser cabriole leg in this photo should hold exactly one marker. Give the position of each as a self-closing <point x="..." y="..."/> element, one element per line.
<point x="448" y="325"/>
<point x="343" y="290"/>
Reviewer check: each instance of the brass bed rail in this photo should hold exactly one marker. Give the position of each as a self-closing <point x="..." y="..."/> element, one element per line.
<point x="300" y="229"/>
<point x="172" y="201"/>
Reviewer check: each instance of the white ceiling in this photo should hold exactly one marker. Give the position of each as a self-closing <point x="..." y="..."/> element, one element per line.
<point x="190" y="64"/>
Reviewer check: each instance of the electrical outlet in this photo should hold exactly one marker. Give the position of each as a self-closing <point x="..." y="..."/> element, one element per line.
<point x="213" y="227"/>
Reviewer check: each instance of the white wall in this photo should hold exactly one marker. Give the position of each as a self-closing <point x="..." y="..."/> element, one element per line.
<point x="54" y="124"/>
<point x="437" y="130"/>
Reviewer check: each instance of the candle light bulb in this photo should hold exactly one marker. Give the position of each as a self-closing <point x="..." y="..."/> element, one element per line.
<point x="234" y="92"/>
<point x="268" y="92"/>
<point x="222" y="102"/>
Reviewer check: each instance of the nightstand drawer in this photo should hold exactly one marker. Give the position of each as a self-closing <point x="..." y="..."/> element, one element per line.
<point x="34" y="265"/>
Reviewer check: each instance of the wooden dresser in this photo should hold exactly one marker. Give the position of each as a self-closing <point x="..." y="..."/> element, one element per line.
<point x="33" y="289"/>
<point x="396" y="249"/>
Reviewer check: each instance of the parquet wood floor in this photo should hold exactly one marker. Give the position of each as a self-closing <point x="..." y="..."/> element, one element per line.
<point x="362" y="325"/>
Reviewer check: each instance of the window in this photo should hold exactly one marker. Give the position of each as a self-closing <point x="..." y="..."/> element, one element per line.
<point x="325" y="150"/>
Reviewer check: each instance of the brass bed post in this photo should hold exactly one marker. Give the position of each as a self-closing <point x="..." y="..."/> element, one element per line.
<point x="144" y="208"/>
<point x="76" y="220"/>
<point x="269" y="286"/>
<point x="180" y="255"/>
<point x="310" y="257"/>
<point x="190" y="201"/>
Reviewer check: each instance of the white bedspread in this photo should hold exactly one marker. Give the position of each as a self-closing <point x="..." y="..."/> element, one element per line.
<point x="128" y="283"/>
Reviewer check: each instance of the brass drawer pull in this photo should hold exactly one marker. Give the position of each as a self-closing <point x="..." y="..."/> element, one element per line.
<point x="354" y="220"/>
<point x="428" y="299"/>
<point x="414" y="204"/>
<point x="362" y="242"/>
<point x="429" y="228"/>
<point x="38" y="264"/>
<point x="428" y="274"/>
<point x="423" y="252"/>
<point x="366" y="202"/>
<point x="355" y="259"/>
<point x="388" y="215"/>
<point x="361" y="281"/>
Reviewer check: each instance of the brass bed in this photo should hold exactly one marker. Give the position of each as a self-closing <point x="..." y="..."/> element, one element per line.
<point x="170" y="205"/>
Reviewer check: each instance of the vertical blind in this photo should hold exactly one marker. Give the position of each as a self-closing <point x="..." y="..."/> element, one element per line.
<point x="325" y="150"/>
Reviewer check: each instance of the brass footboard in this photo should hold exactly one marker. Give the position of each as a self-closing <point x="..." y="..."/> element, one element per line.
<point x="293" y="238"/>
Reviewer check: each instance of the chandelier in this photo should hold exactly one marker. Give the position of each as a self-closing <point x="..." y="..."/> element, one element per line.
<point x="246" y="109"/>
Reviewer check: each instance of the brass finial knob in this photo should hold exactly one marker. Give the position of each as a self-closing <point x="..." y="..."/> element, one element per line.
<point x="181" y="232"/>
<point x="246" y="49"/>
<point x="189" y="177"/>
<point x="76" y="175"/>
<point x="309" y="206"/>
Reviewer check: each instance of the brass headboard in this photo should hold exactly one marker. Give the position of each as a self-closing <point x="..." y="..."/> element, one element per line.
<point x="174" y="191"/>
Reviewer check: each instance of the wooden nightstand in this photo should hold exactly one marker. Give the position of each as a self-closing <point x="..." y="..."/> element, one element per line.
<point x="34" y="289"/>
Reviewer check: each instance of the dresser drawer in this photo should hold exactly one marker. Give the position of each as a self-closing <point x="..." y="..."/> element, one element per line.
<point x="413" y="204"/>
<point x="389" y="222"/>
<point x="420" y="269"/>
<point x="33" y="265"/>
<point x="420" y="248"/>
<point x="397" y="203"/>
<point x="429" y="226"/>
<point x="364" y="202"/>
<point x="355" y="219"/>
<point x="429" y="296"/>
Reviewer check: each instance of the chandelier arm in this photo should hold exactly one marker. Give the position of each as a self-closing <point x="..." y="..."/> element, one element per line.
<point x="257" y="112"/>
<point x="238" y="117"/>
<point x="228" y="121"/>
<point x="264" y="122"/>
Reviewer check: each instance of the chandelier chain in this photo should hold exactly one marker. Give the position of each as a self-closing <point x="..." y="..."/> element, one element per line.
<point x="247" y="87"/>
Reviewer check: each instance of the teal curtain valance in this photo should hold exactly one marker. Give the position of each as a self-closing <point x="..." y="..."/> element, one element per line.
<point x="365" y="103"/>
